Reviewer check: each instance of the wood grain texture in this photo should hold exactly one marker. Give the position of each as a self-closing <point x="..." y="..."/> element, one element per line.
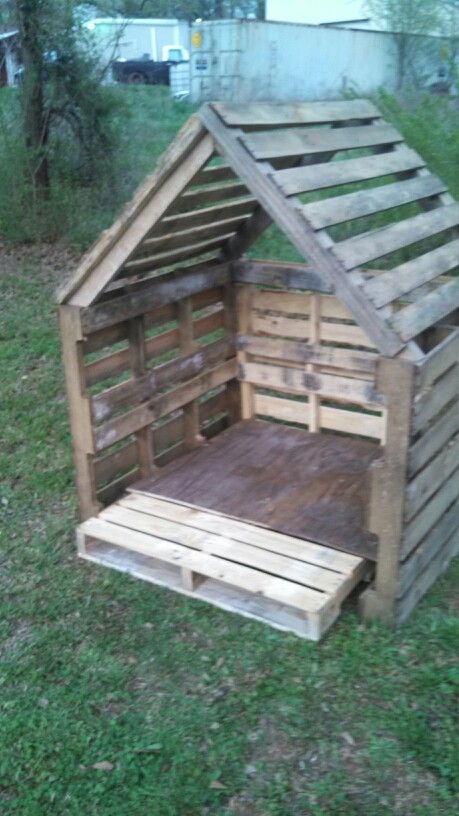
<point x="271" y="114"/>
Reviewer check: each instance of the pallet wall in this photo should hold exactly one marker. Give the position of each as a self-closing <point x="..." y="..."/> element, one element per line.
<point x="431" y="524"/>
<point x="304" y="361"/>
<point x="156" y="375"/>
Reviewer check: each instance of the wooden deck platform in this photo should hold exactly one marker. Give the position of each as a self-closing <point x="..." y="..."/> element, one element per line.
<point x="308" y="485"/>
<point x="286" y="582"/>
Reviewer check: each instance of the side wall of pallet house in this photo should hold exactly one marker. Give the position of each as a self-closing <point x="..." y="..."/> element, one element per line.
<point x="431" y="528"/>
<point x="149" y="375"/>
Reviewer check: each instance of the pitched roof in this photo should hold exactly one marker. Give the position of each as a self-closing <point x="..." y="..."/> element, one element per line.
<point x="278" y="168"/>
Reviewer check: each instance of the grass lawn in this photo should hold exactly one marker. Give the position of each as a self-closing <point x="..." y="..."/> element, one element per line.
<point x="120" y="698"/>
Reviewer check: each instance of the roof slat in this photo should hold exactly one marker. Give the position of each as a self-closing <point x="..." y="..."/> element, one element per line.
<point x="377" y="243"/>
<point x="174" y="240"/>
<point x="397" y="282"/>
<point x="347" y="207"/>
<point x="320" y="176"/>
<point x="269" y="145"/>
<point x="428" y="310"/>
<point x="206" y="215"/>
<point x="169" y="258"/>
<point x="272" y="115"/>
<point x="217" y="192"/>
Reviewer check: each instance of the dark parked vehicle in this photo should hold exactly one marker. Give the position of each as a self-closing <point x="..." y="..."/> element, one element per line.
<point x="141" y="71"/>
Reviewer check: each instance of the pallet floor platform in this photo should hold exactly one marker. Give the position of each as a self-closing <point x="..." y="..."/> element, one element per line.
<point x="309" y="485"/>
<point x="289" y="583"/>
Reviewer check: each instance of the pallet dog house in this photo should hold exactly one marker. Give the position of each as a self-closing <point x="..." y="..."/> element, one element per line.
<point x="262" y="435"/>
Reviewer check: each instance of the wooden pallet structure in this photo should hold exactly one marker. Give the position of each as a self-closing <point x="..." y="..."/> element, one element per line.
<point x="266" y="435"/>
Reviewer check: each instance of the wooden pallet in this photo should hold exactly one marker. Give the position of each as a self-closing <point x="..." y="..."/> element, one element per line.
<point x="287" y="582"/>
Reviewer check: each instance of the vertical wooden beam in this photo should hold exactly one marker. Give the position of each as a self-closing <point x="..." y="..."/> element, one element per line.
<point x="394" y="379"/>
<point x="244" y="313"/>
<point x="233" y="387"/>
<point x="144" y="437"/>
<point x="314" y="339"/>
<point x="187" y="345"/>
<point x="79" y="410"/>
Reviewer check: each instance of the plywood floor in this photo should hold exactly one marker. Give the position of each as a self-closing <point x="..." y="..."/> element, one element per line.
<point x="313" y="486"/>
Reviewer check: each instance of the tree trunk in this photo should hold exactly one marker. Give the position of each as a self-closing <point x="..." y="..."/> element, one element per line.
<point x="34" y="109"/>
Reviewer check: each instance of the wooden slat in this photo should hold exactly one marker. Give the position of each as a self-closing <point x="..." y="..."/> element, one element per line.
<point x="275" y="588"/>
<point x="118" y="428"/>
<point x="363" y="248"/>
<point x="408" y="276"/>
<point x="297" y="303"/>
<point x="433" y="440"/>
<point x="269" y="145"/>
<point x="347" y="207"/>
<point x="202" y="197"/>
<point x="165" y="289"/>
<point x="430" y="479"/>
<point x="295" y="381"/>
<point x="335" y="419"/>
<point x="290" y="327"/>
<point x="226" y="547"/>
<point x="436" y="566"/>
<point x="418" y="316"/>
<point x="301" y="235"/>
<point x="430" y="513"/>
<point x="175" y="240"/>
<point x="283" y="275"/>
<point x="134" y="391"/>
<point x="210" y="175"/>
<point x="322" y="176"/>
<point x="163" y="259"/>
<point x="272" y="115"/>
<point x="435" y="400"/>
<point x="123" y="459"/>
<point x="206" y="215"/>
<point x="264" y="538"/>
<point x="429" y="548"/>
<point x="304" y="353"/>
<point x="439" y="360"/>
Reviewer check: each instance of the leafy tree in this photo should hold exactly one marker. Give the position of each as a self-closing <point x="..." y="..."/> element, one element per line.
<point x="60" y="91"/>
<point x="407" y="20"/>
<point x="186" y="9"/>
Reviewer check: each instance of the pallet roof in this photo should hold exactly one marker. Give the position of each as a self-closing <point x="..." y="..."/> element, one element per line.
<point x="277" y="167"/>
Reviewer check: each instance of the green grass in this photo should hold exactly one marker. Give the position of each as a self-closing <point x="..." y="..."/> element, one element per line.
<point x="197" y="711"/>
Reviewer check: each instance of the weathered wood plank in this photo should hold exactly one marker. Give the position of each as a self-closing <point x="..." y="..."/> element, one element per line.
<point x="433" y="401"/>
<point x="433" y="440"/>
<point x="211" y="175"/>
<point x="416" y="317"/>
<point x="321" y="176"/>
<point x="134" y="391"/>
<point x="205" y="196"/>
<point x="163" y="259"/>
<point x="333" y="419"/>
<point x="282" y="275"/>
<point x="429" y="548"/>
<point x="297" y="303"/>
<point x="439" y="360"/>
<point x="377" y="243"/>
<point x="157" y="292"/>
<point x="418" y="528"/>
<point x="295" y="381"/>
<point x="206" y="215"/>
<point x="176" y="240"/>
<point x="430" y="479"/>
<point x="290" y="350"/>
<point x="269" y="144"/>
<point x="436" y="566"/>
<point x="401" y="280"/>
<point x="301" y="235"/>
<point x="118" y="428"/>
<point x="271" y="114"/>
<point x="339" y="209"/>
<point x="290" y="327"/>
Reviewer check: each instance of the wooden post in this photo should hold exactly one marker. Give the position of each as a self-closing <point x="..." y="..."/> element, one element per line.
<point x="314" y="338"/>
<point x="79" y="410"/>
<point x="193" y="437"/>
<point x="244" y="309"/>
<point x="144" y="437"/>
<point x="233" y="387"/>
<point x="394" y="379"/>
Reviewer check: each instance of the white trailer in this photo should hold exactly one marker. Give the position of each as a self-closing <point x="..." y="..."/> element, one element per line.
<point x="156" y="39"/>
